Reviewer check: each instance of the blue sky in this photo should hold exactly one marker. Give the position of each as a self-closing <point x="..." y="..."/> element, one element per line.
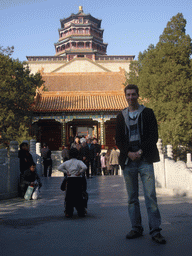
<point x="31" y="26"/>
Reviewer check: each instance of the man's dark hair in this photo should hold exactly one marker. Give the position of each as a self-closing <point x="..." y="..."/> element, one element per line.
<point x="73" y="153"/>
<point x="131" y="86"/>
<point x="44" y="144"/>
<point x="32" y="164"/>
<point x="23" y="144"/>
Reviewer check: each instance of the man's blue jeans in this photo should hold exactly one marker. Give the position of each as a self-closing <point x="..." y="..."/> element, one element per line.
<point x="146" y="172"/>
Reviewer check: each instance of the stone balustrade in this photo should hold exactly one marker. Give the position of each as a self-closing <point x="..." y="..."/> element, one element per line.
<point x="9" y="171"/>
<point x="170" y="175"/>
<point x="173" y="176"/>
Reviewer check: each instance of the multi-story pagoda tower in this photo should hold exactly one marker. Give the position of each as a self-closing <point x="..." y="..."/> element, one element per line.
<point x="84" y="86"/>
<point x="80" y="35"/>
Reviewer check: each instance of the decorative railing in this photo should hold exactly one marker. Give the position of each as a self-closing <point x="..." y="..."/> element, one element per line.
<point x="47" y="58"/>
<point x="171" y="176"/>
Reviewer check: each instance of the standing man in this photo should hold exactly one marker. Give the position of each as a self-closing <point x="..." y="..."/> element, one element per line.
<point x="76" y="144"/>
<point x="96" y="150"/>
<point x="136" y="137"/>
<point x="90" y="157"/>
<point x="84" y="153"/>
<point x="47" y="161"/>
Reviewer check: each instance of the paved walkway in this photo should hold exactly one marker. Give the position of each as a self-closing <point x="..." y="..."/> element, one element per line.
<point x="40" y="228"/>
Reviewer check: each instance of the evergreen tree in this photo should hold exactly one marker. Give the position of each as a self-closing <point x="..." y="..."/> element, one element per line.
<point x="132" y="76"/>
<point x="17" y="92"/>
<point x="164" y="78"/>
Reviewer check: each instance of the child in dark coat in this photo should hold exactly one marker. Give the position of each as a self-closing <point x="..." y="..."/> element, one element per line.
<point x="30" y="178"/>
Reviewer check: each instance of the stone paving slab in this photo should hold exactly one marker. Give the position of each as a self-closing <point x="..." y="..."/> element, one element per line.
<point x="40" y="228"/>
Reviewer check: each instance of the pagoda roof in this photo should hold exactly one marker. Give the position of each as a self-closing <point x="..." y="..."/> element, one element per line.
<point x="99" y="81"/>
<point x="69" y="92"/>
<point x="81" y="25"/>
<point x="80" y="102"/>
<point x="72" y="37"/>
<point x="79" y="38"/>
<point x="81" y="13"/>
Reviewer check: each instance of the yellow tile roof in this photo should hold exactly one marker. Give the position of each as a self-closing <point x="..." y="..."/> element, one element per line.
<point x="96" y="81"/>
<point x="70" y="102"/>
<point x="81" y="92"/>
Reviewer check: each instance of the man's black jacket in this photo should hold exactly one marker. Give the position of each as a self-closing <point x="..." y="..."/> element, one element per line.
<point x="148" y="132"/>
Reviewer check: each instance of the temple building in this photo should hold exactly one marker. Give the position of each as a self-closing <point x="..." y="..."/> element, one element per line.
<point x="84" y="85"/>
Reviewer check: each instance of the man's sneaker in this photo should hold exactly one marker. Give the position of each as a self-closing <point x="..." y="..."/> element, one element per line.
<point x="134" y="234"/>
<point x="158" y="238"/>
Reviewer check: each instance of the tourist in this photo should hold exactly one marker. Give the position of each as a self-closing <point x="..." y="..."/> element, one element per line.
<point x="108" y="166"/>
<point x="25" y="157"/>
<point x="107" y="157"/>
<point x="84" y="155"/>
<point x="96" y="150"/>
<point x="30" y="178"/>
<point x="83" y="139"/>
<point x="74" y="168"/>
<point x="47" y="161"/>
<point x="90" y="157"/>
<point x="114" y="161"/>
<point x="103" y="164"/>
<point x="136" y="137"/>
<point x="76" y="144"/>
<point x="65" y="153"/>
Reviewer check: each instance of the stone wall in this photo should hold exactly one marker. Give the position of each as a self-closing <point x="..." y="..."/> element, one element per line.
<point x="78" y="65"/>
<point x="9" y="171"/>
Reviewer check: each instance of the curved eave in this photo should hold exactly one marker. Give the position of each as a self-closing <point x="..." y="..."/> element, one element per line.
<point x="80" y="103"/>
<point x="80" y="38"/>
<point x="73" y="37"/>
<point x="74" y="110"/>
<point x="80" y="25"/>
<point x="81" y="14"/>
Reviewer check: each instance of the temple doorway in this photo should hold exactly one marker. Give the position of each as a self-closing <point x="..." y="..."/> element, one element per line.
<point x="81" y="128"/>
<point x="48" y="131"/>
<point x="110" y="130"/>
